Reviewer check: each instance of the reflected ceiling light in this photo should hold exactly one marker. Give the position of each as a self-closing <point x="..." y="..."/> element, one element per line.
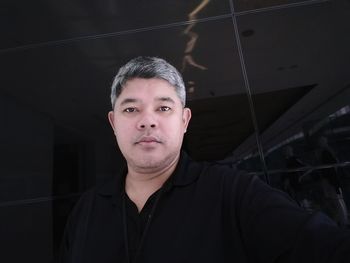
<point x="191" y="89"/>
<point x="193" y="37"/>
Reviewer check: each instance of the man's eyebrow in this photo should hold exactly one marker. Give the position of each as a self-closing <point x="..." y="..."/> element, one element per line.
<point x="165" y="99"/>
<point x="128" y="100"/>
<point x="133" y="100"/>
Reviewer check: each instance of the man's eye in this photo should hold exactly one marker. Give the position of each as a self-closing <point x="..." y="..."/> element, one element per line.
<point x="130" y="110"/>
<point x="164" y="108"/>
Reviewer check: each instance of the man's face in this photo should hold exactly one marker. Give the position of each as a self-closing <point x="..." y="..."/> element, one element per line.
<point x="149" y="123"/>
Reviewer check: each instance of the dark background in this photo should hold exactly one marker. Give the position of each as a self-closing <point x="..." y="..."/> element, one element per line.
<point x="263" y="77"/>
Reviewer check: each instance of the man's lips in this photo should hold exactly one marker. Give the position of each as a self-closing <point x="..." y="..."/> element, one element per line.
<point x="147" y="140"/>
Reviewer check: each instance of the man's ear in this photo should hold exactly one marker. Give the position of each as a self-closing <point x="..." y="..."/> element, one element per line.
<point x="111" y="120"/>
<point x="186" y="116"/>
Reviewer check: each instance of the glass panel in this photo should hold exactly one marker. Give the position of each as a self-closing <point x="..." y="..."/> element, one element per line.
<point x="25" y="152"/>
<point x="34" y="230"/>
<point x="34" y="22"/>
<point x="35" y="161"/>
<point x="73" y="82"/>
<point x="294" y="83"/>
<point x="247" y="5"/>
<point x="297" y="70"/>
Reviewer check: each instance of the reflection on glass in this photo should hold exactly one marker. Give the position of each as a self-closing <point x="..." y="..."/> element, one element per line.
<point x="244" y="5"/>
<point x="315" y="165"/>
<point x="193" y="37"/>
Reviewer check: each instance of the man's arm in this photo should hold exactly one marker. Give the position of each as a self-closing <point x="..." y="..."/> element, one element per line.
<point x="275" y="229"/>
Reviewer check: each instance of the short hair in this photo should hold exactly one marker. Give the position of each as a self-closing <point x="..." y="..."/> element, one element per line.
<point x="148" y="68"/>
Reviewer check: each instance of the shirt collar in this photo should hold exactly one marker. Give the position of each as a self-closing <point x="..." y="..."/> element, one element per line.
<point x="186" y="172"/>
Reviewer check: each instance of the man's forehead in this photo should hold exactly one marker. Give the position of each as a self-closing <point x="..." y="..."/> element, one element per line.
<point x="154" y="81"/>
<point x="137" y="88"/>
<point x="135" y="97"/>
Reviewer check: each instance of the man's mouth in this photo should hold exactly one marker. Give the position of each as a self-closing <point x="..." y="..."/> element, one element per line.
<point x="147" y="140"/>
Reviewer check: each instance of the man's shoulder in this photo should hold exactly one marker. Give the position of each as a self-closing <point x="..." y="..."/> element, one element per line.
<point x="224" y="171"/>
<point x="83" y="202"/>
<point x="216" y="173"/>
<point x="210" y="167"/>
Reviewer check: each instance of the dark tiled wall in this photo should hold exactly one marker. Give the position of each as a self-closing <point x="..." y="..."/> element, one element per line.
<point x="267" y="82"/>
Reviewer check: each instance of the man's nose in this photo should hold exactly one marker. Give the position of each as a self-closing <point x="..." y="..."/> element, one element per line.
<point x="147" y="121"/>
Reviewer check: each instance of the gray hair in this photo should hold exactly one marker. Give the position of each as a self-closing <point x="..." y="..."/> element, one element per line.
<point x="147" y="68"/>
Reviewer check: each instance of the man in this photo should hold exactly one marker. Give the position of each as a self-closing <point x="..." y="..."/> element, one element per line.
<point x="164" y="207"/>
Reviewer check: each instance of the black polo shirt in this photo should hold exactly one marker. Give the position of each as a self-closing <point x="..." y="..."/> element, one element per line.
<point x="136" y="223"/>
<point x="210" y="213"/>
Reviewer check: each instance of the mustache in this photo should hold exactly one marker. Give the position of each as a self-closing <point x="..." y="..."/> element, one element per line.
<point x="148" y="138"/>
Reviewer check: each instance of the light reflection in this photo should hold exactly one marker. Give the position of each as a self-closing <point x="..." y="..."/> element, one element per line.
<point x="188" y="59"/>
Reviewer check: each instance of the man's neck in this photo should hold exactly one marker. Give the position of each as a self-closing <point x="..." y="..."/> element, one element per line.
<point x="140" y="186"/>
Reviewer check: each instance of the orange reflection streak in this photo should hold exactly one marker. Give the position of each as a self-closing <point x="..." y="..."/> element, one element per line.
<point x="193" y="37"/>
<point x="198" y="8"/>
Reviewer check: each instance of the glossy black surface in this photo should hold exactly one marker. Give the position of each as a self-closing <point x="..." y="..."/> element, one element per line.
<point x="82" y="73"/>
<point x="306" y="62"/>
<point x="264" y="5"/>
<point x="308" y="57"/>
<point x="30" y="23"/>
<point x="34" y="230"/>
<point x="264" y="79"/>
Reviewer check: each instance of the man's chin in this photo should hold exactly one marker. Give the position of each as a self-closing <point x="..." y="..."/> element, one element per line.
<point x="150" y="162"/>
